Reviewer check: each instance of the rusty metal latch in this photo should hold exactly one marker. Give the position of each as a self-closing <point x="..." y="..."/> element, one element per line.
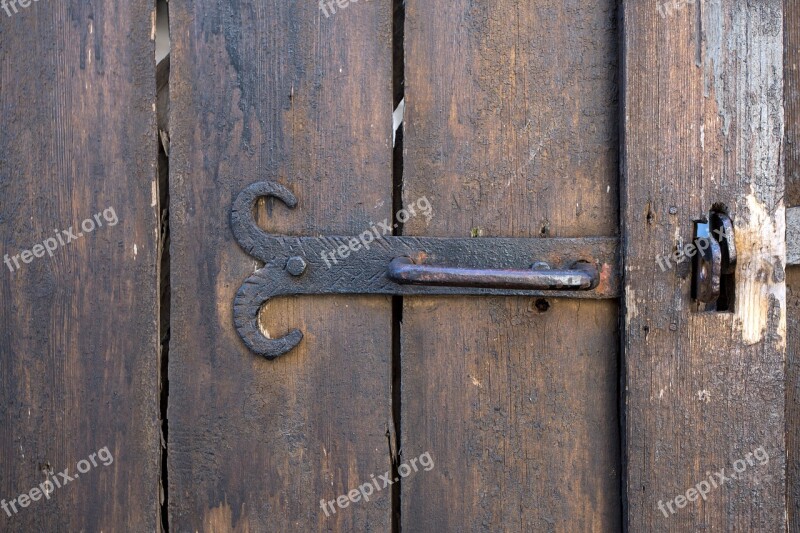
<point x="715" y="259"/>
<point x="581" y="277"/>
<point x="573" y="268"/>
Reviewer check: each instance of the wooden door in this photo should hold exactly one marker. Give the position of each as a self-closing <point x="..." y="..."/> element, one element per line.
<point x="511" y="131"/>
<point x="255" y="446"/>
<point x="513" y="399"/>
<point x="79" y="220"/>
<point x="623" y="120"/>
<point x="704" y="391"/>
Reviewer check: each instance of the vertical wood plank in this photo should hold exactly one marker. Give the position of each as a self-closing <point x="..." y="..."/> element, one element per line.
<point x="703" y="122"/>
<point x="791" y="64"/>
<point x="277" y="91"/>
<point x="793" y="396"/>
<point x="511" y="131"/>
<point x="79" y="337"/>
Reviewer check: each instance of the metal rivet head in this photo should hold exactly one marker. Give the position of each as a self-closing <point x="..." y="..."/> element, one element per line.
<point x="296" y="265"/>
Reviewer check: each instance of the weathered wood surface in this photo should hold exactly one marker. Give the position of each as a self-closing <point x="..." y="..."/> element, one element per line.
<point x="793" y="235"/>
<point x="793" y="397"/>
<point x="703" y="125"/>
<point x="79" y="336"/>
<point x="277" y="91"/>
<point x="791" y="64"/>
<point x="791" y="69"/>
<point x="511" y="131"/>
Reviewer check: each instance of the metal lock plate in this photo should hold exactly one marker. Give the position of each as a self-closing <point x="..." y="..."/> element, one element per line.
<point x="580" y="268"/>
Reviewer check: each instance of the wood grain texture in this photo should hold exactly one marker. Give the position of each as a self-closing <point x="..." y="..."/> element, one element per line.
<point x="511" y="131"/>
<point x="277" y="91"/>
<point x="79" y="337"/>
<point x="703" y="123"/>
<point x="793" y="236"/>
<point x="793" y="396"/>
<point x="791" y="70"/>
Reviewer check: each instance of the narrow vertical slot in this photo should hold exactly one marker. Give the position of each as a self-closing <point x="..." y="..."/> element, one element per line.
<point x="398" y="83"/>
<point x="162" y="116"/>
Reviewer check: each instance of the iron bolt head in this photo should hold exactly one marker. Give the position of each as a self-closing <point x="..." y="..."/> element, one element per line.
<point x="296" y="265"/>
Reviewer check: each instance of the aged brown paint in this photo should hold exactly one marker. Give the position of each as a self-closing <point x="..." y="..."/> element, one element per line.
<point x="79" y="341"/>
<point x="511" y="130"/>
<point x="276" y="91"/>
<point x="703" y="122"/>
